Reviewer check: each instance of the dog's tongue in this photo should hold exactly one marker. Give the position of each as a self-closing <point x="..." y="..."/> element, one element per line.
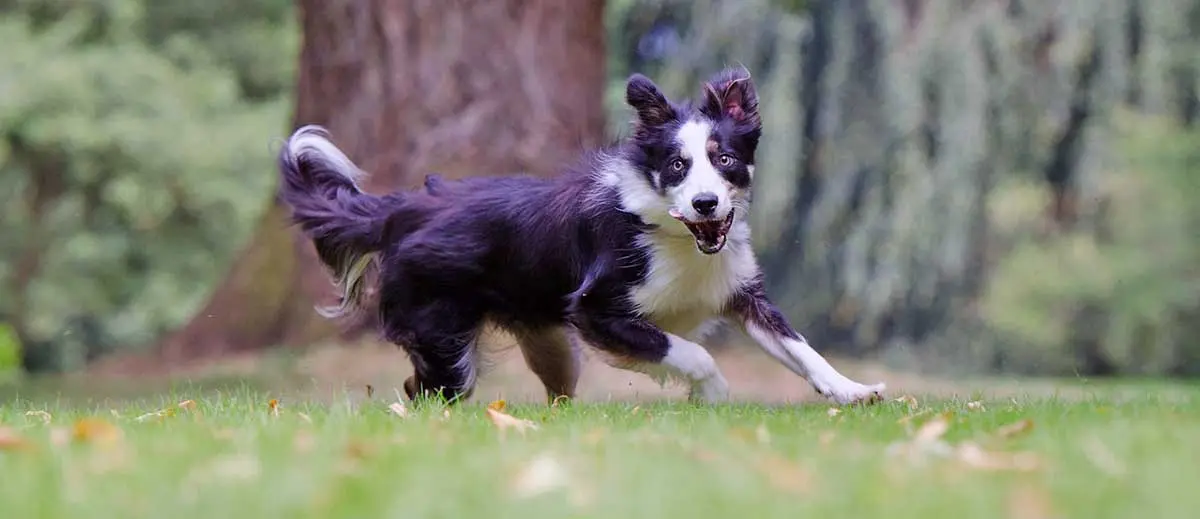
<point x="707" y="232"/>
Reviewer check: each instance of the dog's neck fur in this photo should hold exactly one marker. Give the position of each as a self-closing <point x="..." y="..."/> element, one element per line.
<point x="680" y="281"/>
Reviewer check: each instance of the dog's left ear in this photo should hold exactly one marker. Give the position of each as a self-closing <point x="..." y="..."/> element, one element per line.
<point x="731" y="93"/>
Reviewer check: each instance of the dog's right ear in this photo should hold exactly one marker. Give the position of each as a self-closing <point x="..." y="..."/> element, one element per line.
<point x="651" y="105"/>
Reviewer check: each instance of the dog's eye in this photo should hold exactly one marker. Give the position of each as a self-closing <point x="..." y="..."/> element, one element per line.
<point x="677" y="165"/>
<point x="724" y="160"/>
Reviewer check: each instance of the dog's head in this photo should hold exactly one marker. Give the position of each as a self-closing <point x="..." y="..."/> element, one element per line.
<point x="696" y="158"/>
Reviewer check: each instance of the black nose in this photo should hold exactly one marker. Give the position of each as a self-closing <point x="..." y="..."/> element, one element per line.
<point x="705" y="204"/>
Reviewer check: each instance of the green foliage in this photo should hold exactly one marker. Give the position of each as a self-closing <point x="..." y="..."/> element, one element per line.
<point x="10" y="349"/>
<point x="151" y="159"/>
<point x="1123" y="297"/>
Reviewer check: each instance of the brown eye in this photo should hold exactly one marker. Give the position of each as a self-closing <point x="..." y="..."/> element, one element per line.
<point x="677" y="165"/>
<point x="725" y="160"/>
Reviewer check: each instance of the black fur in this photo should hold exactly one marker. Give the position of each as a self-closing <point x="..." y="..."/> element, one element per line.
<point x="523" y="252"/>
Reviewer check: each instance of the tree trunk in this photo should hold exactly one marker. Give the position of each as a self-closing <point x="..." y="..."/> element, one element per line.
<point x="409" y="88"/>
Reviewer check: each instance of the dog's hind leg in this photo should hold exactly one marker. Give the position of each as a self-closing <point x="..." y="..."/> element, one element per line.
<point x="439" y="338"/>
<point x="554" y="357"/>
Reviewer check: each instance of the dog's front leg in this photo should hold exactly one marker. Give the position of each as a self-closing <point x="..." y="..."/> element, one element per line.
<point x="764" y="323"/>
<point x="635" y="344"/>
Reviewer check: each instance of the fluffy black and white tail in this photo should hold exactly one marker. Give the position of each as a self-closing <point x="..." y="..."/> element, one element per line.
<point x="347" y="226"/>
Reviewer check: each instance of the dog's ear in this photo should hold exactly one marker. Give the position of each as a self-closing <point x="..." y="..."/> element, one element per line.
<point x="731" y="93"/>
<point x="651" y="105"/>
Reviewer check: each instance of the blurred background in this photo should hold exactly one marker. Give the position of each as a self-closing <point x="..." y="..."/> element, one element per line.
<point x="969" y="189"/>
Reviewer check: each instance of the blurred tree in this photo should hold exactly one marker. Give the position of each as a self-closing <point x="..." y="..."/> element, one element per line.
<point x="125" y="174"/>
<point x="409" y="88"/>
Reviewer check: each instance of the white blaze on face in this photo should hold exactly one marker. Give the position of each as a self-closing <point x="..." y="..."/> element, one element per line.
<point x="702" y="177"/>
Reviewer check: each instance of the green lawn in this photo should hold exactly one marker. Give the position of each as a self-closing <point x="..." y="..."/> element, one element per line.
<point x="231" y="457"/>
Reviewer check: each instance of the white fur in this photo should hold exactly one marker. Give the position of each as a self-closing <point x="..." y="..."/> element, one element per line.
<point x="689" y="363"/>
<point x="799" y="357"/>
<point x="702" y="177"/>
<point x="684" y="291"/>
<point x="314" y="140"/>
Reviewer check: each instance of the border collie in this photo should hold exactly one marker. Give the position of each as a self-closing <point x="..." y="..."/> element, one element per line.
<point x="635" y="252"/>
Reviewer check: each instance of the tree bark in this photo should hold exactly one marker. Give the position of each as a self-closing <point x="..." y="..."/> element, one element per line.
<point x="409" y="88"/>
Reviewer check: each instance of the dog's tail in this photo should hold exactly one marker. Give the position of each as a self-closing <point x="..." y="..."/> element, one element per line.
<point x="347" y="226"/>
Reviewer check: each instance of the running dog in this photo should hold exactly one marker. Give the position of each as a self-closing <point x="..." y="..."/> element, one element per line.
<point x="636" y="251"/>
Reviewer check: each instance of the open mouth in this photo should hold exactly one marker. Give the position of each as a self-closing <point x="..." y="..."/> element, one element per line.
<point x="710" y="234"/>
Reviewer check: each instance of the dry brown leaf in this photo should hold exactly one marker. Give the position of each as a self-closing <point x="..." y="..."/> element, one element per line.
<point x="786" y="475"/>
<point x="497" y="405"/>
<point x="1030" y="502"/>
<point x="95" y="430"/>
<point x="910" y="400"/>
<point x="44" y="416"/>
<point x="304" y="441"/>
<point x="762" y="434"/>
<point x="1102" y="457"/>
<point x="976" y="406"/>
<point x="543" y="474"/>
<point x="273" y="404"/>
<point x="833" y="411"/>
<point x="826" y="438"/>
<point x="594" y="437"/>
<point x="11" y="441"/>
<point x="1015" y="429"/>
<point x="976" y="457"/>
<point x="59" y="436"/>
<point x="504" y="421"/>
<point x="932" y="430"/>
<point x="156" y="416"/>
<point x="399" y="409"/>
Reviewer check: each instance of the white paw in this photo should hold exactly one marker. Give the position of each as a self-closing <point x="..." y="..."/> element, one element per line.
<point x="849" y="392"/>
<point x="710" y="390"/>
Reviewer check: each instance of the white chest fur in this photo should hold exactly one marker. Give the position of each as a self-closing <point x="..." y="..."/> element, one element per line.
<point x="684" y="288"/>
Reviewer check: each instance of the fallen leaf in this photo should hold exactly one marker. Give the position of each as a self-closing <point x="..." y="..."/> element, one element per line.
<point x="826" y="438"/>
<point x="59" y="436"/>
<point x="908" y="399"/>
<point x="1015" y="429"/>
<point x="497" y="405"/>
<point x="503" y="421"/>
<point x="95" y="430"/>
<point x="1030" y="502"/>
<point x="976" y="406"/>
<point x="833" y="411"/>
<point x="932" y="430"/>
<point x="304" y="441"/>
<point x="594" y="437"/>
<point x="273" y="404"/>
<point x="976" y="457"/>
<point x="156" y="416"/>
<point x="44" y="416"/>
<point x="398" y="409"/>
<point x="11" y="441"/>
<point x="786" y="475"/>
<point x="543" y="474"/>
<point x="762" y="434"/>
<point x="1103" y="458"/>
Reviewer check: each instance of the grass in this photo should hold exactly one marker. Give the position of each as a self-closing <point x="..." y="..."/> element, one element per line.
<point x="231" y="456"/>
